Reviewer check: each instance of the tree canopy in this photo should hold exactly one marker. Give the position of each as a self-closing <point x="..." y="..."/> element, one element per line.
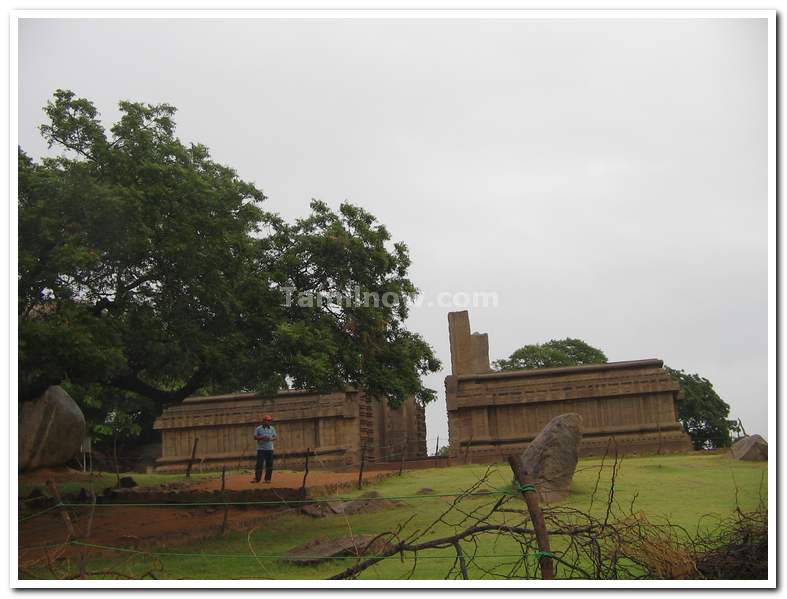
<point x="702" y="412"/>
<point x="552" y="354"/>
<point x="146" y="267"/>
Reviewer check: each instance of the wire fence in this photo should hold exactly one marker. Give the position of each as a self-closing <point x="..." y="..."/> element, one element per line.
<point x="355" y="554"/>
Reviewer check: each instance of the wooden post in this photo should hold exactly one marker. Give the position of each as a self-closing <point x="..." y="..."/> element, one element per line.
<point x="89" y="527"/>
<point x="404" y="453"/>
<point x="240" y="459"/>
<point x="224" y="499"/>
<point x="63" y="511"/>
<point x="305" y="473"/>
<point x="115" y="455"/>
<point x="193" y="455"/>
<point x="360" y="470"/>
<point x="67" y="521"/>
<point x="536" y="516"/>
<point x="467" y="450"/>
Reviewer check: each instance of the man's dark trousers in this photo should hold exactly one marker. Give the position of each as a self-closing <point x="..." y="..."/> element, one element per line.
<point x="264" y="456"/>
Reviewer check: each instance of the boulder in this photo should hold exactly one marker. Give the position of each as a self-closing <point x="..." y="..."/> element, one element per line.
<point x="750" y="448"/>
<point x="319" y="550"/>
<point x="365" y="504"/>
<point x="127" y="482"/>
<point x="551" y="458"/>
<point x="51" y="430"/>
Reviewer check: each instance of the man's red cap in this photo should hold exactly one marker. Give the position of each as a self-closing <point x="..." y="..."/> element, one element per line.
<point x="267" y="417"/>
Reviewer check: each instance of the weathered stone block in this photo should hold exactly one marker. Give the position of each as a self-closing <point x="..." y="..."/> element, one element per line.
<point x="51" y="430"/>
<point x="750" y="448"/>
<point x="551" y="459"/>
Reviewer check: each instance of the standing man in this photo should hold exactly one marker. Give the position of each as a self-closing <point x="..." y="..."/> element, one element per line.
<point x="265" y="434"/>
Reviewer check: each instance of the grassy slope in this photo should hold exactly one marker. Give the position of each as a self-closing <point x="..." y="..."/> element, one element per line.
<point x="681" y="488"/>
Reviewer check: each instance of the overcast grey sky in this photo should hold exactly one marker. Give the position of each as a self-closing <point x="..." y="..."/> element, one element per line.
<point x="606" y="178"/>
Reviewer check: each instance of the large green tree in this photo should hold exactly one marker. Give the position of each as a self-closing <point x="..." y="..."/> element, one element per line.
<point x="702" y="412"/>
<point x="146" y="267"/>
<point x="552" y="354"/>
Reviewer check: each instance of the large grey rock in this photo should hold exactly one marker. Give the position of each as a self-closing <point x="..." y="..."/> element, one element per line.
<point x="51" y="430"/>
<point x="751" y="448"/>
<point x="322" y="549"/>
<point x="551" y="458"/>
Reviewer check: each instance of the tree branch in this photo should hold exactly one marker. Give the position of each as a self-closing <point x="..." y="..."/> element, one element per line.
<point x="131" y="382"/>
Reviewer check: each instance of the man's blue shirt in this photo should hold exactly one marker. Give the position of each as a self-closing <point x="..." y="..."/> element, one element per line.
<point x="265" y="431"/>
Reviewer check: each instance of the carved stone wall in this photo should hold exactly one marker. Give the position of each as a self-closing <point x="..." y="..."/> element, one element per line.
<point x="494" y="414"/>
<point x="334" y="426"/>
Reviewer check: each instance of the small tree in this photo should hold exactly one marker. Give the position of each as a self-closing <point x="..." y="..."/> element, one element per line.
<point x="552" y="354"/>
<point x="121" y="423"/>
<point x="702" y="412"/>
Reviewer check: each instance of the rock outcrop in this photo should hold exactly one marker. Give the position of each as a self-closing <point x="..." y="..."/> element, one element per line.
<point x="318" y="550"/>
<point x="751" y="448"/>
<point x="551" y="458"/>
<point x="51" y="430"/>
<point x="365" y="504"/>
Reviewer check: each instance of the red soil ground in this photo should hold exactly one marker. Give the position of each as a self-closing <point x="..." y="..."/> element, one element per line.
<point x="149" y="527"/>
<point x="282" y="479"/>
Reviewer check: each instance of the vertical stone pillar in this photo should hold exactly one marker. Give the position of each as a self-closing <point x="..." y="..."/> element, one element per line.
<point x="459" y="337"/>
<point x="479" y="345"/>
<point x="469" y="353"/>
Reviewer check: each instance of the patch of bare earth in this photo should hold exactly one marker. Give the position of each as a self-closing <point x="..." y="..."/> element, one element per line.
<point x="137" y="525"/>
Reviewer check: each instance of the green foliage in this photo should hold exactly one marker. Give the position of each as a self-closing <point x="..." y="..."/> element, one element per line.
<point x="552" y="354"/>
<point x="702" y="412"/>
<point x="443" y="451"/>
<point x="148" y="269"/>
<point x="113" y="414"/>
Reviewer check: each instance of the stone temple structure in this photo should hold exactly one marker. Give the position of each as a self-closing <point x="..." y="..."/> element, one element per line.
<point x="335" y="427"/>
<point x="494" y="414"/>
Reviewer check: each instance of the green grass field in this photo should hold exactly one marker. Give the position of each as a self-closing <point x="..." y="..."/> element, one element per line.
<point x="681" y="489"/>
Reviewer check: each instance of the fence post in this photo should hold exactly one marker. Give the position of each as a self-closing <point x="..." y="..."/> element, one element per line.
<point x="536" y="516"/>
<point x="193" y="455"/>
<point x="360" y="470"/>
<point x="467" y="450"/>
<point x="115" y="457"/>
<point x="224" y="499"/>
<point x="240" y="459"/>
<point x="67" y="521"/>
<point x="305" y="473"/>
<point x="404" y="452"/>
